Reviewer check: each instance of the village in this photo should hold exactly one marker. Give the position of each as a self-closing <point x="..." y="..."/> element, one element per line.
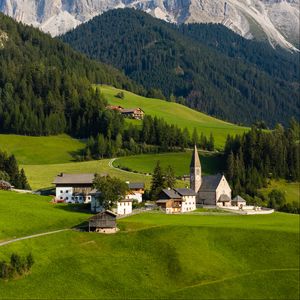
<point x="211" y="192"/>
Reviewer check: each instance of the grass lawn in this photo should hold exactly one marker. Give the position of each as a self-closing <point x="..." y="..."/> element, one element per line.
<point x="163" y="256"/>
<point x="40" y="150"/>
<point x="290" y="189"/>
<point x="174" y="113"/>
<point x="41" y="176"/>
<point x="25" y="214"/>
<point x="211" y="163"/>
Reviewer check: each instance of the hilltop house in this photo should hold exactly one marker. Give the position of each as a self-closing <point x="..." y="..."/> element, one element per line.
<point x="211" y="190"/>
<point x="132" y="113"/>
<point x="177" y="200"/>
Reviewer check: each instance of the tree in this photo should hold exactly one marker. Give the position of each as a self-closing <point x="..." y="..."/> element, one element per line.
<point x="276" y="199"/>
<point x="211" y="143"/>
<point x="23" y="181"/>
<point x="170" y="178"/>
<point x="120" y="95"/>
<point x="157" y="182"/>
<point x="195" y="137"/>
<point x="111" y="190"/>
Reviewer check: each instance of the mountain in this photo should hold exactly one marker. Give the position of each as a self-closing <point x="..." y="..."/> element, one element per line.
<point x="217" y="71"/>
<point x="45" y="86"/>
<point x="274" y="20"/>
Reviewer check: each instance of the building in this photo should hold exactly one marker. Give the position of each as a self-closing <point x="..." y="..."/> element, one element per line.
<point x="105" y="222"/>
<point x="133" y="113"/>
<point x="124" y="207"/>
<point x="115" y="108"/>
<point x="136" y="191"/>
<point x="74" y="188"/>
<point x="238" y="201"/>
<point x="177" y="200"/>
<point x="211" y="190"/>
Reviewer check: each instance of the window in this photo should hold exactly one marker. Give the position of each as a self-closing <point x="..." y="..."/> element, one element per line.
<point x="61" y="192"/>
<point x="67" y="191"/>
<point x="61" y="198"/>
<point x="67" y="198"/>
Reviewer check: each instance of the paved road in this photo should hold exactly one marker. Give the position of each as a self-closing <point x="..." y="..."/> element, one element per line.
<point x="30" y="237"/>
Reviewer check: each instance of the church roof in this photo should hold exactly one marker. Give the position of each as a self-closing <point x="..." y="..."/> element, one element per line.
<point x="195" y="162"/>
<point x="224" y="198"/>
<point x="210" y="183"/>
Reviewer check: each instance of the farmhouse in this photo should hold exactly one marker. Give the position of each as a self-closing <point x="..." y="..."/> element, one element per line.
<point x="133" y="113"/>
<point x="211" y="190"/>
<point x="136" y="191"/>
<point x="104" y="222"/>
<point x="177" y="200"/>
<point x="115" y="107"/>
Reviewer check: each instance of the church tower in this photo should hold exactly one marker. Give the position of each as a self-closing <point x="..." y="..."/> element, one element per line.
<point x="195" y="171"/>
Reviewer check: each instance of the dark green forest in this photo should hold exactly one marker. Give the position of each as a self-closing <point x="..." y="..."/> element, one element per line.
<point x="257" y="156"/>
<point x="215" y="70"/>
<point x="45" y="86"/>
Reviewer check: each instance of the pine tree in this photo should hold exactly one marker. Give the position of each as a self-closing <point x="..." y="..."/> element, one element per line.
<point x="170" y="178"/>
<point x="157" y="182"/>
<point x="23" y="181"/>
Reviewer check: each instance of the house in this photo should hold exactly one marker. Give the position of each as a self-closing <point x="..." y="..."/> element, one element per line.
<point x="211" y="190"/>
<point x="74" y="188"/>
<point x="124" y="207"/>
<point x="177" y="200"/>
<point x="238" y="201"/>
<point x="136" y="191"/>
<point x="105" y="222"/>
<point x="115" y="107"/>
<point x="133" y="113"/>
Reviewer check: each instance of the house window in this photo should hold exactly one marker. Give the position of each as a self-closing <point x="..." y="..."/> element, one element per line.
<point x="61" y="198"/>
<point x="67" y="191"/>
<point x="61" y="192"/>
<point x="67" y="198"/>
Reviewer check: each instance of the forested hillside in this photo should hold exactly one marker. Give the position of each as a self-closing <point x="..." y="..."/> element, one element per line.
<point x="216" y="71"/>
<point x="45" y="86"/>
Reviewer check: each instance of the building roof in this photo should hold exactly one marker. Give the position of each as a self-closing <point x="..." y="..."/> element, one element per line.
<point x="107" y="212"/>
<point x="195" y="162"/>
<point x="136" y="185"/>
<point x="74" y="178"/>
<point x="211" y="182"/>
<point x="224" y="198"/>
<point x="172" y="194"/>
<point x="238" y="198"/>
<point x="186" y="192"/>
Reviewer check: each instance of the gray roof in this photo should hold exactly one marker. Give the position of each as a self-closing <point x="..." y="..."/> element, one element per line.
<point x="74" y="178"/>
<point x="210" y="183"/>
<point x="130" y="110"/>
<point x="195" y="162"/>
<point x="172" y="194"/>
<point x="224" y="198"/>
<point x="238" y="199"/>
<point x="186" y="192"/>
<point x="136" y="185"/>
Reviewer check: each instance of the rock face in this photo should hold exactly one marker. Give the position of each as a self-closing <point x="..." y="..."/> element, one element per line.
<point x="276" y="20"/>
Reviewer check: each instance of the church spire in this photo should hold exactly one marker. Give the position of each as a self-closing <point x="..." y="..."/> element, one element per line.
<point x="195" y="171"/>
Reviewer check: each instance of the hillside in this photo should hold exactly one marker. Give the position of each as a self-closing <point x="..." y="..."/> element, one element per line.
<point x="220" y="257"/>
<point x="41" y="150"/>
<point x="166" y="57"/>
<point x="46" y="86"/>
<point x="174" y="113"/>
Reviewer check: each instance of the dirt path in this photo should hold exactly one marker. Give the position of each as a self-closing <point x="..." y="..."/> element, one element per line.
<point x="30" y="237"/>
<point x="111" y="165"/>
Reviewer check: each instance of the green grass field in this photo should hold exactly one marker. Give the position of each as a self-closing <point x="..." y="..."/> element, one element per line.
<point x="165" y="256"/>
<point x="42" y="176"/>
<point x="174" y="113"/>
<point x="211" y="163"/>
<point x="40" y="150"/>
<point x="24" y="214"/>
<point x="290" y="189"/>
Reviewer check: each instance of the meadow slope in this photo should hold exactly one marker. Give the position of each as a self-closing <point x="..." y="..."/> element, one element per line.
<point x="164" y="256"/>
<point x="175" y="113"/>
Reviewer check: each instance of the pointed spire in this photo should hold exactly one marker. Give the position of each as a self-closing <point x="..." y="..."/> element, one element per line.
<point x="195" y="162"/>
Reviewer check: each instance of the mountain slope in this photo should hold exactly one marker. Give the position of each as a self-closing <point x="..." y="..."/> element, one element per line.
<point x="275" y="20"/>
<point x="45" y="86"/>
<point x="252" y="84"/>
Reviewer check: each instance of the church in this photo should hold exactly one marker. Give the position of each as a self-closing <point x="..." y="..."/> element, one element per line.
<point x="210" y="190"/>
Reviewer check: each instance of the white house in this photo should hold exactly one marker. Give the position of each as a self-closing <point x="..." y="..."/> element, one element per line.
<point x="136" y="191"/>
<point x="124" y="207"/>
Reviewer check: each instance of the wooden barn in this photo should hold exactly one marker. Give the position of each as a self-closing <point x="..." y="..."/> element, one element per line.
<point x="105" y="222"/>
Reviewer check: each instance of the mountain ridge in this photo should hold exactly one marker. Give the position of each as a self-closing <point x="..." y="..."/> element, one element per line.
<point x="277" y="21"/>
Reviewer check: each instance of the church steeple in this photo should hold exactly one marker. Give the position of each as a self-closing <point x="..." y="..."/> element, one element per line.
<point x="195" y="171"/>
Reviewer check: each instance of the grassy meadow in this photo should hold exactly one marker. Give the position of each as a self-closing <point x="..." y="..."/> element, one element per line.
<point x="177" y="114"/>
<point x="24" y="214"/>
<point x="290" y="189"/>
<point x="211" y="163"/>
<point x="165" y="256"/>
<point x="40" y="150"/>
